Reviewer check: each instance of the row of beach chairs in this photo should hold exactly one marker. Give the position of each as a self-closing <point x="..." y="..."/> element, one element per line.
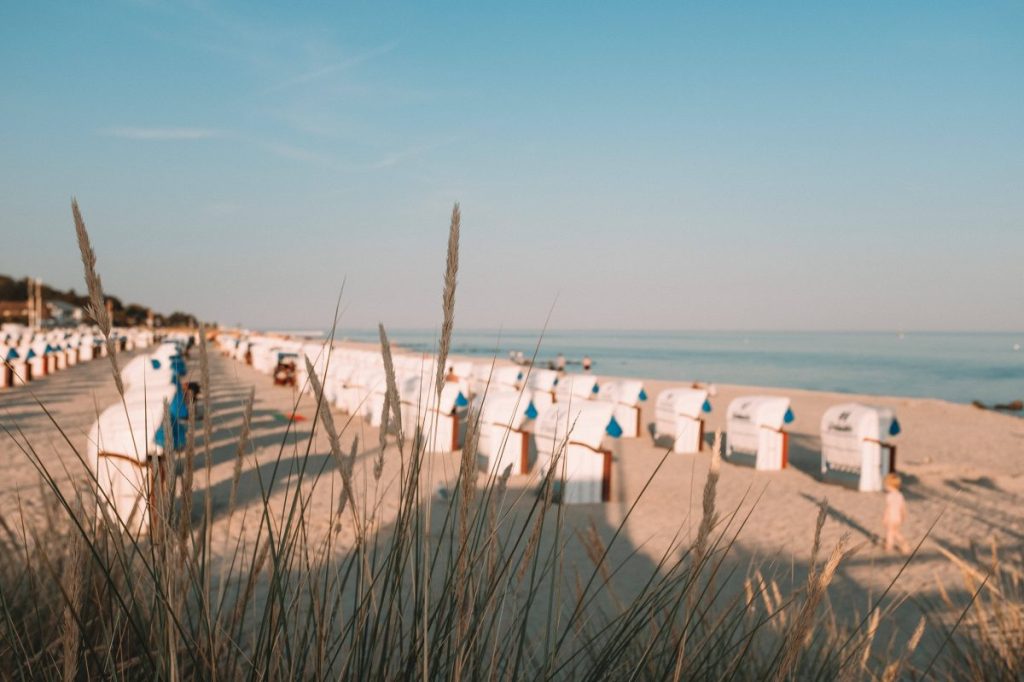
<point x="29" y="355"/>
<point x="533" y="419"/>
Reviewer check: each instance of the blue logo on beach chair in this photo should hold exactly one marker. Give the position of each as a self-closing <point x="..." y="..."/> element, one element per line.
<point x="460" y="400"/>
<point x="643" y="394"/>
<point x="531" y="411"/>
<point x="788" y="417"/>
<point x="706" y="407"/>
<point x="11" y="354"/>
<point x="31" y="354"/>
<point x="519" y="377"/>
<point x="614" y="429"/>
<point x="155" y="363"/>
<point x="894" y="428"/>
<point x="595" y="389"/>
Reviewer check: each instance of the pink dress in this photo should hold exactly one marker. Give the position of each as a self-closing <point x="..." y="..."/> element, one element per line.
<point x="895" y="508"/>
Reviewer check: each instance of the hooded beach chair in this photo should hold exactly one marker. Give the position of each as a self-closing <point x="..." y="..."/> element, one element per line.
<point x="678" y="418"/>
<point x="125" y="452"/>
<point x="540" y="385"/>
<point x="626" y="395"/>
<point x="575" y="387"/>
<point x="568" y="440"/>
<point x="440" y="419"/>
<point x="503" y="440"/>
<point x="855" y="439"/>
<point x="755" y="427"/>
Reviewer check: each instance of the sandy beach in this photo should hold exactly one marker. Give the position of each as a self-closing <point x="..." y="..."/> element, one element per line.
<point x="963" y="470"/>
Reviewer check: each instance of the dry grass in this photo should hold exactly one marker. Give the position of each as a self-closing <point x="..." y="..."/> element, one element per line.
<point x="484" y="590"/>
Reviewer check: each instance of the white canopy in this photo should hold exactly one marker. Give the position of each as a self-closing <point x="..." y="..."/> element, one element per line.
<point x="583" y="422"/>
<point x="759" y="410"/>
<point x="139" y="372"/>
<point x="143" y="412"/>
<point x="504" y="408"/>
<point x="418" y="391"/>
<point x="686" y="402"/>
<point x="484" y="376"/>
<point x="629" y="392"/>
<point x="575" y="387"/>
<point x="542" y="379"/>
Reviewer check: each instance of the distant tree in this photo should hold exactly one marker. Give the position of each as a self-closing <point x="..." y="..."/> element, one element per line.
<point x="124" y="315"/>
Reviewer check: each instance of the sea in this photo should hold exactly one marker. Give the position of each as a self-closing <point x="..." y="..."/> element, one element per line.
<point x="960" y="367"/>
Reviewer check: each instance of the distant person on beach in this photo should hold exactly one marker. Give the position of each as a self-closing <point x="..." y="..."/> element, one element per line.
<point x="560" y="363"/>
<point x="586" y="363"/>
<point x="451" y="377"/>
<point x="895" y="514"/>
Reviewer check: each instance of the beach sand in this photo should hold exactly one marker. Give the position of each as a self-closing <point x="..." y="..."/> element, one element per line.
<point x="963" y="470"/>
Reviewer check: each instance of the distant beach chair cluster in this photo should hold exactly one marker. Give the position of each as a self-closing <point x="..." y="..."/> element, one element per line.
<point x="542" y="420"/>
<point x="30" y="354"/>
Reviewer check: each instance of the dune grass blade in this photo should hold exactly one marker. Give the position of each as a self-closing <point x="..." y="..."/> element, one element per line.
<point x="451" y="272"/>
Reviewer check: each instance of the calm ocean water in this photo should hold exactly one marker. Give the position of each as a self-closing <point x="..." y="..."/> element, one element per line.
<point x="955" y="366"/>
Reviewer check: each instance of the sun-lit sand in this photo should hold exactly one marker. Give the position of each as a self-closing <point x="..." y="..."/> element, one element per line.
<point x="963" y="470"/>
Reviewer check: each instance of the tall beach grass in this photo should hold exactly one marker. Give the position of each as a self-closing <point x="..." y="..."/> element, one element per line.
<point x="473" y="586"/>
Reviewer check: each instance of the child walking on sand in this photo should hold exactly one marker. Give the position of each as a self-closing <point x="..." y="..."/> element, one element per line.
<point x="895" y="514"/>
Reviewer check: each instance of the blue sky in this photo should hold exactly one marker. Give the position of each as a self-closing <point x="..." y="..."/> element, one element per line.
<point x="677" y="166"/>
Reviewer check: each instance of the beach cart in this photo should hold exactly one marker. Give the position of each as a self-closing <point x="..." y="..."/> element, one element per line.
<point x="285" y="373"/>
<point x="855" y="439"/>
<point x="755" y="427"/>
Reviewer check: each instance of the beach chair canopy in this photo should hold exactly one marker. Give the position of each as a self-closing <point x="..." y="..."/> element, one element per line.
<point x="419" y="391"/>
<point x="504" y="408"/>
<point x="584" y="422"/>
<point x="128" y="432"/>
<point x="496" y="377"/>
<point x="685" y="402"/>
<point x="858" y="423"/>
<point x="542" y="379"/>
<point x="147" y="371"/>
<point x="772" y="412"/>
<point x="575" y="387"/>
<point x="629" y="392"/>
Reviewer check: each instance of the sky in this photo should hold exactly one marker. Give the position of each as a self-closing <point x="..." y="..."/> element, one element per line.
<point x="679" y="165"/>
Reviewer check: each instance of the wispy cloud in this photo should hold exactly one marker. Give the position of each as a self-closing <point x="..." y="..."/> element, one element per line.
<point x="289" y="151"/>
<point x="330" y="69"/>
<point x="131" y="133"/>
<point x="398" y="157"/>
